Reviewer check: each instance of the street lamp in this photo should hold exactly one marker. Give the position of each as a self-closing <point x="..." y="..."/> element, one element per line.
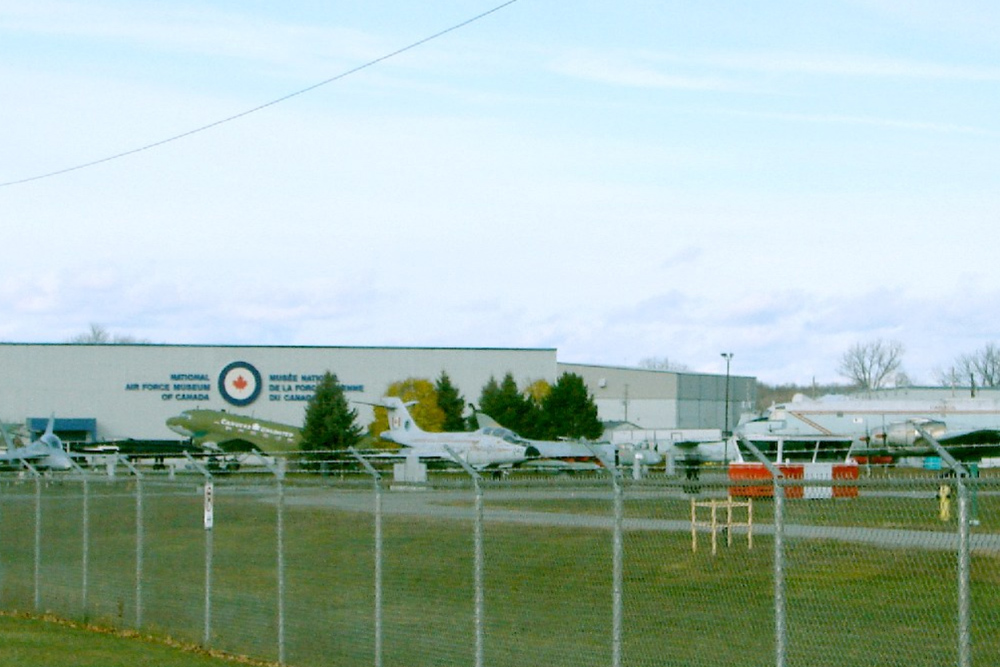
<point x="728" y="356"/>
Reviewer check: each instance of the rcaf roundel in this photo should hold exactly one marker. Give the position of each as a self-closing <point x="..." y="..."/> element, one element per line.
<point x="239" y="383"/>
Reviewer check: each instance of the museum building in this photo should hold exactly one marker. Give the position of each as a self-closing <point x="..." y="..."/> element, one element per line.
<point x="113" y="391"/>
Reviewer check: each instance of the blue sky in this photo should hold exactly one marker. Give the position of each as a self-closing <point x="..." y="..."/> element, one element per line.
<point x="620" y="180"/>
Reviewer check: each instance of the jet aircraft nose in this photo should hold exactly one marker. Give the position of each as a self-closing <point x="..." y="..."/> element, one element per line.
<point x="58" y="463"/>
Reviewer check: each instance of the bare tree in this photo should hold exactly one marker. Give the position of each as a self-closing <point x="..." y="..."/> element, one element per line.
<point x="871" y="365"/>
<point x="662" y="364"/>
<point x="981" y="366"/>
<point x="99" y="335"/>
<point x="950" y="377"/>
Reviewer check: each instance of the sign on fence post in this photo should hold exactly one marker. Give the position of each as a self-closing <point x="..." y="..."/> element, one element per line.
<point x="209" y="505"/>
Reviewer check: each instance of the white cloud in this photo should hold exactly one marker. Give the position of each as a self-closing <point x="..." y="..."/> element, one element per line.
<point x="841" y="119"/>
<point x="186" y="30"/>
<point x="847" y="65"/>
<point x="623" y="70"/>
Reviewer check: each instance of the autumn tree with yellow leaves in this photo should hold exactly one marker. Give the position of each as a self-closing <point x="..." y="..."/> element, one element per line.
<point x="425" y="412"/>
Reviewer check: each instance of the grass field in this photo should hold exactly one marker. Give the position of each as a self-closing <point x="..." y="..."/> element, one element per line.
<point x="547" y="587"/>
<point x="47" y="642"/>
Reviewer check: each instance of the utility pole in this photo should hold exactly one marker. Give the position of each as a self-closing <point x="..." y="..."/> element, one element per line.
<point x="728" y="356"/>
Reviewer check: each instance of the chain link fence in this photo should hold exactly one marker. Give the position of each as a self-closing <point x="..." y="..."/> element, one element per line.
<point x="342" y="566"/>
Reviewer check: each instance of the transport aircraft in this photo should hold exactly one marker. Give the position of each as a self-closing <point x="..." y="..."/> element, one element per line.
<point x="875" y="430"/>
<point x="483" y="448"/>
<point x="219" y="430"/>
<point x="46" y="453"/>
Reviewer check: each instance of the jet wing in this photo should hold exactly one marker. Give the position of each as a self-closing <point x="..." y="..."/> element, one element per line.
<point x="21" y="454"/>
<point x="549" y="449"/>
<point x="37" y="455"/>
<point x="964" y="445"/>
<point x="969" y="445"/>
<point x="983" y="436"/>
<point x="132" y="447"/>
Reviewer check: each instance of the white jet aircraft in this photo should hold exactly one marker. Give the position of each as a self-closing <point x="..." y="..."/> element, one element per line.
<point x="46" y="453"/>
<point x="480" y="449"/>
<point x="556" y="455"/>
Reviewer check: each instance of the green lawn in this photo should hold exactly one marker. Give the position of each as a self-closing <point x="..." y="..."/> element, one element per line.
<point x="548" y="589"/>
<point x="35" y="642"/>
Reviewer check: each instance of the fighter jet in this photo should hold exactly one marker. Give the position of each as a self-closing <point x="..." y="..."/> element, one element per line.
<point x="570" y="456"/>
<point x="484" y="448"/>
<point x="557" y="455"/>
<point x="46" y="453"/>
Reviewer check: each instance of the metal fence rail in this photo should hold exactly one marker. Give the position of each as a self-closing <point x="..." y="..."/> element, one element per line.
<point x="348" y="568"/>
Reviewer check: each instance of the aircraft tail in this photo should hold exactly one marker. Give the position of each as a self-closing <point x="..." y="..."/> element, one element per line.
<point x="400" y="420"/>
<point x="485" y="421"/>
<point x="6" y="438"/>
<point x="50" y="438"/>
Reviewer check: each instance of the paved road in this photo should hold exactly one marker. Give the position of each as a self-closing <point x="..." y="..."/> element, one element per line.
<point x="459" y="506"/>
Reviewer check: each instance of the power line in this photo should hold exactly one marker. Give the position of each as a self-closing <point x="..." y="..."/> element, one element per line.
<point x="255" y="109"/>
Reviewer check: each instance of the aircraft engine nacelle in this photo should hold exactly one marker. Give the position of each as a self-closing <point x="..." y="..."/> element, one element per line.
<point x="479" y="457"/>
<point x="905" y="434"/>
<point x="643" y="453"/>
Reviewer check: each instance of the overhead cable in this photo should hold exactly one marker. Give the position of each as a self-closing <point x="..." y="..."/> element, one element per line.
<point x="255" y="109"/>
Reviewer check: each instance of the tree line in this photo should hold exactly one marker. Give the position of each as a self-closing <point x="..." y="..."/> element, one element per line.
<point x="538" y="410"/>
<point x="877" y="364"/>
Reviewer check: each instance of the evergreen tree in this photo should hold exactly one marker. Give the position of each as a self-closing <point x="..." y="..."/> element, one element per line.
<point x="569" y="411"/>
<point x="451" y="402"/>
<point x="329" y="421"/>
<point x="509" y="407"/>
<point x="489" y="396"/>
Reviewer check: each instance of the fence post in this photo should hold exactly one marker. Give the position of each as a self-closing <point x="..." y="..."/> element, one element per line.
<point x="209" y="521"/>
<point x="2" y="509"/>
<point x="478" y="555"/>
<point x="38" y="532"/>
<point x="85" y="549"/>
<point x="617" y="555"/>
<point x="964" y="556"/>
<point x="278" y="471"/>
<point x="780" y="624"/>
<point x="964" y="574"/>
<point x="377" y="482"/>
<point x="139" y="539"/>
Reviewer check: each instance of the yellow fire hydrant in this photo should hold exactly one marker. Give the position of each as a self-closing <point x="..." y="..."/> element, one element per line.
<point x="944" y="501"/>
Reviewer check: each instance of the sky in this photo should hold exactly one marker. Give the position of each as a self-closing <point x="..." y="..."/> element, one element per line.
<point x="617" y="180"/>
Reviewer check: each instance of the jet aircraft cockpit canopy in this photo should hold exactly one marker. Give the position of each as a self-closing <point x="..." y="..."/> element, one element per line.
<point x="504" y="434"/>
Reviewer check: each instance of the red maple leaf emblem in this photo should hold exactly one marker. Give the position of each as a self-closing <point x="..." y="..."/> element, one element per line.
<point x="240" y="383"/>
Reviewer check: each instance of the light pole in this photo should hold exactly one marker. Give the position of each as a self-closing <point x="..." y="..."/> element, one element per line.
<point x="728" y="356"/>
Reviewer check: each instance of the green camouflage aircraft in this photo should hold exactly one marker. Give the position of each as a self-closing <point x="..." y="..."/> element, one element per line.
<point x="234" y="433"/>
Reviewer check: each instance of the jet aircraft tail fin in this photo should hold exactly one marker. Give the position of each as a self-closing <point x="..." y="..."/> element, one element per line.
<point x="400" y="419"/>
<point x="50" y="438"/>
<point x="6" y="438"/>
<point x="485" y="421"/>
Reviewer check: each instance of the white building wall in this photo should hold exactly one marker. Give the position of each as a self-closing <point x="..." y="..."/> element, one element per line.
<point x="654" y="399"/>
<point x="131" y="390"/>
